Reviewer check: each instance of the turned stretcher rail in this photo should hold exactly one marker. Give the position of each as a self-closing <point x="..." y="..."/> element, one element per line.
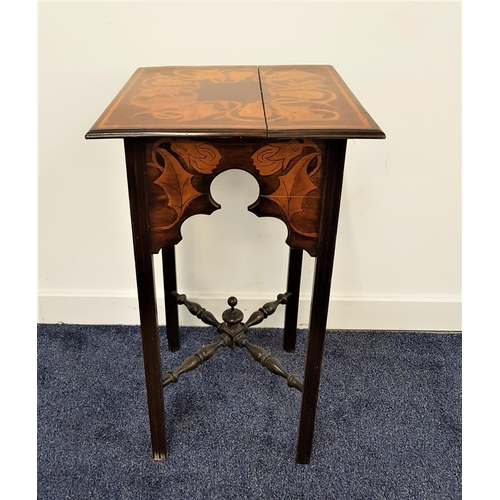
<point x="196" y="359"/>
<point x="232" y="333"/>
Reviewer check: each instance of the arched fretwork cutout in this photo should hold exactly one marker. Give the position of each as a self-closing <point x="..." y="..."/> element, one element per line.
<point x="288" y="172"/>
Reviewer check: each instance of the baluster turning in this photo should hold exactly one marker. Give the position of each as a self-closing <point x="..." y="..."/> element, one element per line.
<point x="232" y="333"/>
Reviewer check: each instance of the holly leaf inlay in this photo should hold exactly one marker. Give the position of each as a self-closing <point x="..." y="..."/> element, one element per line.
<point x="175" y="181"/>
<point x="294" y="186"/>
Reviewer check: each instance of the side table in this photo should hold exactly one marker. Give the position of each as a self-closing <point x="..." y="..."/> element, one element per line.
<point x="285" y="125"/>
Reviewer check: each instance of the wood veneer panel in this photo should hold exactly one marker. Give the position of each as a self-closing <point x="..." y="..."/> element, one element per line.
<point x="223" y="101"/>
<point x="312" y="101"/>
<point x="289" y="173"/>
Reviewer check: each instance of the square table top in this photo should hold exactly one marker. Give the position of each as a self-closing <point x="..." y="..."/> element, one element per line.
<point x="236" y="101"/>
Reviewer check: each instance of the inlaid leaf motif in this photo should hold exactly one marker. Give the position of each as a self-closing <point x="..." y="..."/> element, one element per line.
<point x="295" y="182"/>
<point x="294" y="187"/>
<point x="299" y="95"/>
<point x="175" y="181"/>
<point x="251" y="110"/>
<point x="199" y="156"/>
<point x="275" y="157"/>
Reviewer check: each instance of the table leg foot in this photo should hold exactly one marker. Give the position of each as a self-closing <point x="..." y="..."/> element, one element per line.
<point x="136" y="163"/>
<point x="334" y="171"/>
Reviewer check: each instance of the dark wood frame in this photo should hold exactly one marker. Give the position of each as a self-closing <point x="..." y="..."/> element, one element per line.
<point x="137" y="180"/>
<point x="169" y="286"/>
<point x="139" y="211"/>
<point x="334" y="170"/>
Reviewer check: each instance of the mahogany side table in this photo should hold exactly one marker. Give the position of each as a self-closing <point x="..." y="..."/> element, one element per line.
<point x="285" y="125"/>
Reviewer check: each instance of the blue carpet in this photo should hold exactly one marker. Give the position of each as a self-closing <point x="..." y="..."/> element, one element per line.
<point x="388" y="424"/>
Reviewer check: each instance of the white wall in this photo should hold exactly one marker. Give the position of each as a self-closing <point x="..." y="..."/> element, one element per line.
<point x="398" y="260"/>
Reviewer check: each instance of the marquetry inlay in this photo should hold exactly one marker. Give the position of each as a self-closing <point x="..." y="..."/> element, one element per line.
<point x="235" y="101"/>
<point x="289" y="174"/>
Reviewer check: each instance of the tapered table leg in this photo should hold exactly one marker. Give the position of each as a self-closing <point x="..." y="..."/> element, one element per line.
<point x="334" y="167"/>
<point x="169" y="286"/>
<point x="292" y="305"/>
<point x="136" y="175"/>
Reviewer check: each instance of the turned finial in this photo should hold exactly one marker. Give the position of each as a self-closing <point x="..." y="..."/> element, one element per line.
<point x="232" y="316"/>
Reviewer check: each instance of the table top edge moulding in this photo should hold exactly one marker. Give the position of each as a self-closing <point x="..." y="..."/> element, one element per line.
<point x="279" y="101"/>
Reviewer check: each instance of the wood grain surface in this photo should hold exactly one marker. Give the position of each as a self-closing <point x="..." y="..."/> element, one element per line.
<point x="173" y="101"/>
<point x="312" y="101"/>
<point x="236" y="101"/>
<point x="289" y="173"/>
